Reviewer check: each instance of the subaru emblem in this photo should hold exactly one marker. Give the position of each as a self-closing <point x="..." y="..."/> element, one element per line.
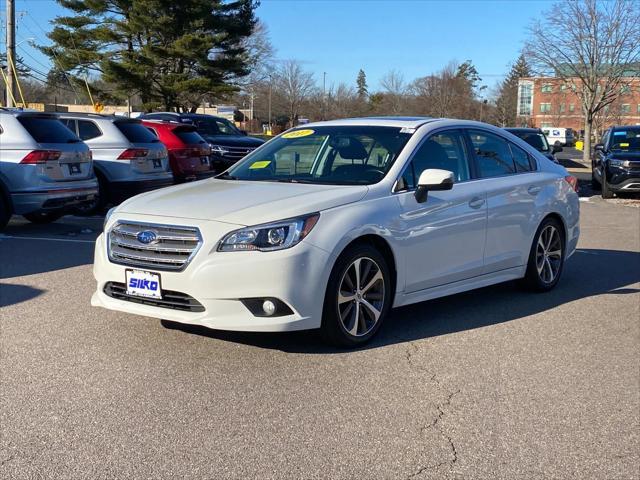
<point x="147" y="237"/>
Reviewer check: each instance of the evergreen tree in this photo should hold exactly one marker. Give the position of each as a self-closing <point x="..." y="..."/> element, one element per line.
<point x="508" y="92"/>
<point x="361" y="83"/>
<point x="170" y="53"/>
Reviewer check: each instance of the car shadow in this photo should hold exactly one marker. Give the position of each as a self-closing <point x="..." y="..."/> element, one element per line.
<point x="11" y="294"/>
<point x="589" y="273"/>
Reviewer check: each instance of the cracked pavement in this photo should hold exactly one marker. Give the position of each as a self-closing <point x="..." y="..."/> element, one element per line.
<point x="496" y="383"/>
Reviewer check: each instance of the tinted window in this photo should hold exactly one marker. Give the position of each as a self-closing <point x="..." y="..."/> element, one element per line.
<point x="88" y="130"/>
<point x="521" y="159"/>
<point x="627" y="139"/>
<point x="69" y="123"/>
<point x="47" y="130"/>
<point x="136" y="132"/>
<point x="188" y="136"/>
<point x="535" y="139"/>
<point x="444" y="151"/>
<point x="492" y="152"/>
<point x="216" y="126"/>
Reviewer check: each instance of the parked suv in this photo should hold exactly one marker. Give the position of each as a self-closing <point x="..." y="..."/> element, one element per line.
<point x="228" y="143"/>
<point x="615" y="164"/>
<point x="44" y="168"/>
<point x="128" y="158"/>
<point x="538" y="140"/>
<point x="188" y="152"/>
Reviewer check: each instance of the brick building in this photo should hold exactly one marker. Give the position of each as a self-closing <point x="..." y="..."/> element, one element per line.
<point x="550" y="102"/>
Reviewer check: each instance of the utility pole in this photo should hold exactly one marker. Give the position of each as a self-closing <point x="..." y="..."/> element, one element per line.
<point x="11" y="51"/>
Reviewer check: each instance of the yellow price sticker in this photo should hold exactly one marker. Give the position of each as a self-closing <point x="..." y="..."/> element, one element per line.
<point x="261" y="164"/>
<point x="624" y="144"/>
<point x="298" y="133"/>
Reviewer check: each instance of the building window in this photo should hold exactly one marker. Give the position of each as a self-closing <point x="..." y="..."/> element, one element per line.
<point x="639" y="108"/>
<point x="625" y="108"/>
<point x="572" y="107"/>
<point x="525" y="98"/>
<point x="547" y="88"/>
<point x="545" y="107"/>
<point x="562" y="108"/>
<point x="624" y="89"/>
<point x="563" y="88"/>
<point x="546" y="125"/>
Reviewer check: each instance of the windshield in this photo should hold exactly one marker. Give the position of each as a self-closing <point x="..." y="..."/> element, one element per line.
<point x="626" y="140"/>
<point x="536" y="139"/>
<point x="324" y="155"/>
<point x="215" y="126"/>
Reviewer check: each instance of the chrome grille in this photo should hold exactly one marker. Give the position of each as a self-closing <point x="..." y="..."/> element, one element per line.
<point x="237" y="153"/>
<point x="173" y="248"/>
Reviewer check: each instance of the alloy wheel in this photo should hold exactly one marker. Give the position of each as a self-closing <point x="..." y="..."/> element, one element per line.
<point x="549" y="254"/>
<point x="361" y="296"/>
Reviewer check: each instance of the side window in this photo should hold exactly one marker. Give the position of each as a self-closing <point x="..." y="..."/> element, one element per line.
<point x="493" y="154"/>
<point x="444" y="150"/>
<point x="521" y="159"/>
<point x="69" y="123"/>
<point x="152" y="130"/>
<point x="88" y="130"/>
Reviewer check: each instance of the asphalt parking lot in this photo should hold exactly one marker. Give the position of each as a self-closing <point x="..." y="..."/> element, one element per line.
<point x="496" y="383"/>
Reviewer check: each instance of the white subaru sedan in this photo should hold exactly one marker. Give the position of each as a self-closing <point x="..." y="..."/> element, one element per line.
<point x="331" y="225"/>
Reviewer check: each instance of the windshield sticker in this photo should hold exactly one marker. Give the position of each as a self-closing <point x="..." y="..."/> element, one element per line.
<point x="620" y="133"/>
<point x="407" y="130"/>
<point x="298" y="133"/>
<point x="260" y="164"/>
<point x="624" y="144"/>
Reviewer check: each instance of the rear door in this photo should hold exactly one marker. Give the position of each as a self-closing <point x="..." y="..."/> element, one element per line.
<point x="74" y="159"/>
<point x="442" y="239"/>
<point x="508" y="175"/>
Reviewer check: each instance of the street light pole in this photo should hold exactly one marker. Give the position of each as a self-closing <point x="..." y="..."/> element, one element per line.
<point x="11" y="51"/>
<point x="270" y="88"/>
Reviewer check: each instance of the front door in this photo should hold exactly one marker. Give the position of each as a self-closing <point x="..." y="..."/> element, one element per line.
<point x="442" y="240"/>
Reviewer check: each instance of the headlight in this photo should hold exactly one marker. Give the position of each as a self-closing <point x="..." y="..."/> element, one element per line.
<point x="218" y="150"/>
<point x="268" y="237"/>
<point x="614" y="162"/>
<point x="107" y="216"/>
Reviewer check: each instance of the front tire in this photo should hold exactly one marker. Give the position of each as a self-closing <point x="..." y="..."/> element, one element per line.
<point x="606" y="191"/>
<point x="5" y="213"/>
<point x="595" y="184"/>
<point x="358" y="297"/>
<point x="42" y="218"/>
<point x="546" y="259"/>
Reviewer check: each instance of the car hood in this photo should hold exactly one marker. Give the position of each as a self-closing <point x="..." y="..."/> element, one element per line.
<point x="241" y="202"/>
<point x="233" y="140"/>
<point x="634" y="156"/>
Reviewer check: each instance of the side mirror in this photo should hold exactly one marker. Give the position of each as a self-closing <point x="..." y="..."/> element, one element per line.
<point x="433" y="179"/>
<point x="599" y="147"/>
<point x="556" y="149"/>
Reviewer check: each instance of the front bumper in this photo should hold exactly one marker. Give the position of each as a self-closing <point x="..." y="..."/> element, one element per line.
<point x="218" y="280"/>
<point x="53" y="199"/>
<point x="623" y="180"/>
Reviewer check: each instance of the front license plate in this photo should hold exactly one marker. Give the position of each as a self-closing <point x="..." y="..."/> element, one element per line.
<point x="143" y="284"/>
<point x="74" y="168"/>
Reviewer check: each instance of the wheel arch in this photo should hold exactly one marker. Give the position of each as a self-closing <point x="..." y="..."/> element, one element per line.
<point x="5" y="195"/>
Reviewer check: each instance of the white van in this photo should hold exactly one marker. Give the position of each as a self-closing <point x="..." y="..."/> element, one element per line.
<point x="565" y="136"/>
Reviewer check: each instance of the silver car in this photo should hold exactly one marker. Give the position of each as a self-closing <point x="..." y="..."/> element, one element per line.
<point x="44" y="168"/>
<point x="128" y="158"/>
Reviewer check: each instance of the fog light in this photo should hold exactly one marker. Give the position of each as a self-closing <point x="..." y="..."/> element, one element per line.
<point x="268" y="307"/>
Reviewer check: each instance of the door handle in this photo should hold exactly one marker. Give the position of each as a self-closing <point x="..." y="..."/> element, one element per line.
<point x="476" y="202"/>
<point x="534" y="189"/>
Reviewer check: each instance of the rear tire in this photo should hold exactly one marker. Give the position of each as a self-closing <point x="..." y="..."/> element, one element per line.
<point x="357" y="298"/>
<point x="595" y="184"/>
<point x="5" y="213"/>
<point x="546" y="259"/>
<point x="42" y="218"/>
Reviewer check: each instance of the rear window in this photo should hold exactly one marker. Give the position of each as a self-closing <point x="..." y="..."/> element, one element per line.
<point x="136" y="132"/>
<point x="47" y="130"/>
<point x="188" y="136"/>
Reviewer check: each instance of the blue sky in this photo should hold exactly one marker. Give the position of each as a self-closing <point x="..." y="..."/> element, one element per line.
<point x="415" y="37"/>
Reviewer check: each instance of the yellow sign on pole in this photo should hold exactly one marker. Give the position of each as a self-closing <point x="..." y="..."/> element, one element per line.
<point x="98" y="107"/>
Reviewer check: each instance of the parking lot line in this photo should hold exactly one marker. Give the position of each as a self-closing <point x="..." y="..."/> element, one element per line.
<point x="75" y="240"/>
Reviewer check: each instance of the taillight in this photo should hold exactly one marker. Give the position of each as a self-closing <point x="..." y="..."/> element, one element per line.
<point x="184" y="153"/>
<point x="131" y="153"/>
<point x="573" y="181"/>
<point x="41" y="156"/>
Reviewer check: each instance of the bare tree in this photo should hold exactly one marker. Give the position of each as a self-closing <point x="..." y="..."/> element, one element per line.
<point x="395" y="90"/>
<point x="590" y="44"/>
<point x="295" y="85"/>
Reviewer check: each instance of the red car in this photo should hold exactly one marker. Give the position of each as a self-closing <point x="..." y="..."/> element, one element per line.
<point x="189" y="153"/>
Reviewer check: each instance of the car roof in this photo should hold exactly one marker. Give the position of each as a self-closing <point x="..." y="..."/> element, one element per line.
<point x="522" y="129"/>
<point x="403" y="122"/>
<point x="183" y="115"/>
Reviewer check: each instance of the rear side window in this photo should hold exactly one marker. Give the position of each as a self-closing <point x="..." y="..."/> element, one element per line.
<point x="136" y="132"/>
<point x="70" y="124"/>
<point x="47" y="130"/>
<point x="521" y="159"/>
<point x="188" y="136"/>
<point x="493" y="154"/>
<point x="88" y="130"/>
